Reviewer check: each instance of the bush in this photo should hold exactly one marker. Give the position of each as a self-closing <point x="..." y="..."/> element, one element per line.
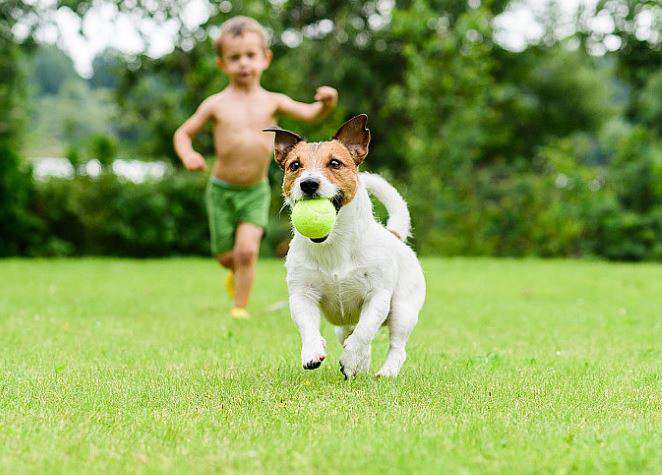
<point x="103" y="147"/>
<point x="557" y="204"/>
<point x="560" y="204"/>
<point x="628" y="225"/>
<point x="111" y="216"/>
<point x="17" y="224"/>
<point x="504" y="213"/>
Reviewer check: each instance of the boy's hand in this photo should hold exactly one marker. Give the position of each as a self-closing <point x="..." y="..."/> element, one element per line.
<point x="194" y="162"/>
<point x="327" y="95"/>
<point x="326" y="99"/>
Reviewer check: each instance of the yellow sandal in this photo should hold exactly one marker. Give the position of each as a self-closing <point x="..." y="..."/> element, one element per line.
<point x="239" y="313"/>
<point x="229" y="284"/>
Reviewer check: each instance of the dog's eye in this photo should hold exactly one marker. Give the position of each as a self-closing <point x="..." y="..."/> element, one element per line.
<point x="294" y="166"/>
<point x="335" y="164"/>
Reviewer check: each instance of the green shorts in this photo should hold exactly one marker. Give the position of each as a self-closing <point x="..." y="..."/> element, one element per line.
<point x="228" y="205"/>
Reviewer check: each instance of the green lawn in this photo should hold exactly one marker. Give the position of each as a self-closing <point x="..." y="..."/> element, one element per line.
<point x="515" y="366"/>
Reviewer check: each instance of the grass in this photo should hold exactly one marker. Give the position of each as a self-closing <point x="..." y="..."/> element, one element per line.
<point x="515" y="366"/>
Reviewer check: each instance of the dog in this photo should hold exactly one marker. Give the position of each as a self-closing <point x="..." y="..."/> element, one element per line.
<point x="360" y="276"/>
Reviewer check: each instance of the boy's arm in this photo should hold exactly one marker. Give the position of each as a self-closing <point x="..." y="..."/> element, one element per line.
<point x="183" y="137"/>
<point x="326" y="100"/>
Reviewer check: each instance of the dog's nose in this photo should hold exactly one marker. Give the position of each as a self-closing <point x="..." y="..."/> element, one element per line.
<point x="309" y="187"/>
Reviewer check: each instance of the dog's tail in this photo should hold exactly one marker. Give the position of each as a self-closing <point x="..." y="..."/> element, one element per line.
<point x="399" y="222"/>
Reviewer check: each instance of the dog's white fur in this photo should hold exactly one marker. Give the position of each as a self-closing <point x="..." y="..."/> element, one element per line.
<point x="360" y="278"/>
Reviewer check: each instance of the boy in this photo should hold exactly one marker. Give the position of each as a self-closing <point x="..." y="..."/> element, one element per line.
<point x="238" y="193"/>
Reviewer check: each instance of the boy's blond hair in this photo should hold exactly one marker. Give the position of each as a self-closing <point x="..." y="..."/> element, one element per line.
<point x="237" y="26"/>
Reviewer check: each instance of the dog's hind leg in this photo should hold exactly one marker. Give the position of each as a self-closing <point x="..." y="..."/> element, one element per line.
<point x="401" y="322"/>
<point x="356" y="355"/>
<point x="342" y="333"/>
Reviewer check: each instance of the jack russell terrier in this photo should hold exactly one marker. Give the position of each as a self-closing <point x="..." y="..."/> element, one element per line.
<point x="362" y="275"/>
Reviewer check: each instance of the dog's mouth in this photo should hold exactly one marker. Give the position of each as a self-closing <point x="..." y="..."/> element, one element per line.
<point x="337" y="201"/>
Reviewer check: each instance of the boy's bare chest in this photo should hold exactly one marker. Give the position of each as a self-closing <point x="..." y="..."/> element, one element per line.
<point x="253" y="113"/>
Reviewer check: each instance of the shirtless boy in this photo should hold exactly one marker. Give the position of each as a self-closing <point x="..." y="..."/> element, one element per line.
<point x="238" y="193"/>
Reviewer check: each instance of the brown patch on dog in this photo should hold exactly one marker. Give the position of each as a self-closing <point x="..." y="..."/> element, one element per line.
<point x="284" y="142"/>
<point x="331" y="158"/>
<point x="298" y="153"/>
<point x="354" y="135"/>
<point x="344" y="177"/>
<point x="338" y="159"/>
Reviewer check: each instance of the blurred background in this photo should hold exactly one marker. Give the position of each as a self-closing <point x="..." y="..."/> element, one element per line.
<point x="513" y="128"/>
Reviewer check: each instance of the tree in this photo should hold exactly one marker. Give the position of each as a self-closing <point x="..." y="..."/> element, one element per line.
<point x="103" y="148"/>
<point x="70" y="117"/>
<point x="16" y="222"/>
<point x="107" y="69"/>
<point x="50" y="68"/>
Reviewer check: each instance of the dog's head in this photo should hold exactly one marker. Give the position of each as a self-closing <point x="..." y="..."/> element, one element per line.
<point x="322" y="169"/>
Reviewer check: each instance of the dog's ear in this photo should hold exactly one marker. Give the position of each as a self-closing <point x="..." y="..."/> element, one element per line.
<point x="354" y="135"/>
<point x="283" y="143"/>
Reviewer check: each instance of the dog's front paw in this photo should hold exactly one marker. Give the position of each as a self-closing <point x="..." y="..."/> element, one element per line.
<point x="392" y="364"/>
<point x="355" y="359"/>
<point x="388" y="371"/>
<point x="313" y="353"/>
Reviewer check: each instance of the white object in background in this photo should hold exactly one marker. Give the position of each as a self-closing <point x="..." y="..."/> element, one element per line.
<point x="136" y="171"/>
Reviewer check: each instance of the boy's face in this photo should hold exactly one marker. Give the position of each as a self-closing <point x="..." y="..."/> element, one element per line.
<point x="244" y="57"/>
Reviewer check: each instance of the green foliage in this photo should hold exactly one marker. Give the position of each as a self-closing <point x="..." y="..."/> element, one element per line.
<point x="547" y="151"/>
<point x="49" y="69"/>
<point x="542" y="94"/>
<point x="107" y="69"/>
<point x="17" y="223"/>
<point x="629" y="224"/>
<point x="151" y="111"/>
<point x="73" y="154"/>
<point x="103" y="148"/>
<point x="12" y="89"/>
<point x="71" y="118"/>
<point x="111" y="216"/>
<point x="504" y="211"/>
<point x="650" y="103"/>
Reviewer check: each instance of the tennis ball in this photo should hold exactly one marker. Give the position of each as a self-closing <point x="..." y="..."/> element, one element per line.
<point x="314" y="218"/>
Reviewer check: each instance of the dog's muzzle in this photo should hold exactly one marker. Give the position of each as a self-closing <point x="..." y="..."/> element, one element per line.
<point x="309" y="187"/>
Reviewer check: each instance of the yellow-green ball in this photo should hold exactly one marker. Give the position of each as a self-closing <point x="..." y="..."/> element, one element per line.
<point x="314" y="218"/>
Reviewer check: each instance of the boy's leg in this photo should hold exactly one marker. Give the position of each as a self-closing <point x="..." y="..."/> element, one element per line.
<point x="244" y="255"/>
<point x="226" y="259"/>
<point x="221" y="224"/>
